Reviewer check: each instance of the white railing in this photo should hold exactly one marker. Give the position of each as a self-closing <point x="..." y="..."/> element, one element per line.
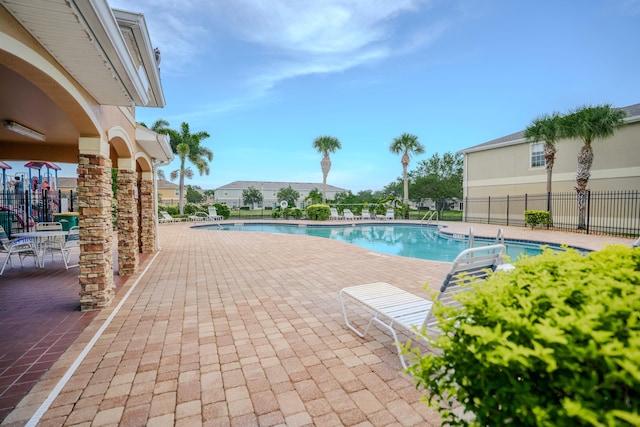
<point x="428" y="217"/>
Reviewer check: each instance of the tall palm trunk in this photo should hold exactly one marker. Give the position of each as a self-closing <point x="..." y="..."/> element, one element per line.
<point x="550" y="158"/>
<point x="181" y="188"/>
<point x="405" y="198"/>
<point x="585" y="159"/>
<point x="326" y="166"/>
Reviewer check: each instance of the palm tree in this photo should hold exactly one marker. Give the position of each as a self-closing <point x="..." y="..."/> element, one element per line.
<point x="187" y="146"/>
<point x="590" y="123"/>
<point x="325" y="145"/>
<point x="548" y="129"/>
<point x="408" y="145"/>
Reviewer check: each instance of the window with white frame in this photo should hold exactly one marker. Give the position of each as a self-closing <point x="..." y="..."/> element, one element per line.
<point x="537" y="155"/>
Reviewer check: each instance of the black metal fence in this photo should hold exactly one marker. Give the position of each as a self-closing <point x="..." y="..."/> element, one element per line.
<point x="21" y="210"/>
<point x="607" y="212"/>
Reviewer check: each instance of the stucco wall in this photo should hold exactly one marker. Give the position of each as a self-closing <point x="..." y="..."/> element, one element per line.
<point x="506" y="170"/>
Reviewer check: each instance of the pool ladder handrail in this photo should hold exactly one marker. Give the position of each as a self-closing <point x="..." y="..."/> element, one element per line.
<point x="499" y="237"/>
<point x="430" y="214"/>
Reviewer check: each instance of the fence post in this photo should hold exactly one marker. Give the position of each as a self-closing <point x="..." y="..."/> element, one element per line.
<point x="549" y="208"/>
<point x="466" y="209"/>
<point x="489" y="212"/>
<point x="507" y="209"/>
<point x="526" y="202"/>
<point x="588" y="209"/>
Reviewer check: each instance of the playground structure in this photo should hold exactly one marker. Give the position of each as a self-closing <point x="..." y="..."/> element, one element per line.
<point x="27" y="198"/>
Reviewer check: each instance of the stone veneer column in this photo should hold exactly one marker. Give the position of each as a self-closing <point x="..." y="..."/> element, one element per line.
<point x="127" y="219"/>
<point x="147" y="214"/>
<point x="96" y="230"/>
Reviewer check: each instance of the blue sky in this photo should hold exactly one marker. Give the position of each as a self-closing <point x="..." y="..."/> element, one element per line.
<point x="265" y="78"/>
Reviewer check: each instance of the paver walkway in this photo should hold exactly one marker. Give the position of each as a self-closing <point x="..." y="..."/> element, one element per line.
<point x="245" y="329"/>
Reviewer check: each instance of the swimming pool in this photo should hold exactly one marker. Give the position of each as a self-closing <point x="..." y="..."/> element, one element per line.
<point x="412" y="241"/>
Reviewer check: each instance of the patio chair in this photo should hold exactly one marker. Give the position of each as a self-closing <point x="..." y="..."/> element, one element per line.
<point x="391" y="214"/>
<point x="65" y="247"/>
<point x="51" y="243"/>
<point x="213" y="214"/>
<point x="349" y="215"/>
<point x="22" y="247"/>
<point x="198" y="216"/>
<point x="396" y="309"/>
<point x="167" y="218"/>
<point x="366" y="214"/>
<point x="335" y="214"/>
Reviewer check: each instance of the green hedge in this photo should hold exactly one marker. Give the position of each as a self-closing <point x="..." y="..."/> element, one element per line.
<point x="318" y="212"/>
<point x="535" y="218"/>
<point x="556" y="342"/>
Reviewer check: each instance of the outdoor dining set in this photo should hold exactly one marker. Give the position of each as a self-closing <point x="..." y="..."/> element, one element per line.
<point x="48" y="238"/>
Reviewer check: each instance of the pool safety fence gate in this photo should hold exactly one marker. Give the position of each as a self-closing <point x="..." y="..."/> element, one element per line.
<point x="22" y="209"/>
<point x="604" y="212"/>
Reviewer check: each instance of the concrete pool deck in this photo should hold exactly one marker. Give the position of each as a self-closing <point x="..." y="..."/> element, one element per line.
<point x="244" y="329"/>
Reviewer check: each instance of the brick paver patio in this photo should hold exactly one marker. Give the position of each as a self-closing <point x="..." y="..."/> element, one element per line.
<point x="245" y="329"/>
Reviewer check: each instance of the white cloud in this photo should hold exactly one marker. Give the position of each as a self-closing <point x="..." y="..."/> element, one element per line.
<point x="296" y="37"/>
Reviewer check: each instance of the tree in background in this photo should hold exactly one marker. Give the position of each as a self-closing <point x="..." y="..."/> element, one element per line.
<point x="408" y="145"/>
<point x="345" y="198"/>
<point x="210" y="194"/>
<point x="589" y="123"/>
<point x="547" y="129"/>
<point x="187" y="147"/>
<point x="326" y="145"/>
<point x="250" y="196"/>
<point x="193" y="195"/>
<point x="439" y="178"/>
<point x="288" y="194"/>
<point x="314" y="197"/>
<point x="393" y="189"/>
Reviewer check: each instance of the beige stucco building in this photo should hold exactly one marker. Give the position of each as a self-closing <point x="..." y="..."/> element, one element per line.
<point x="71" y="76"/>
<point x="512" y="165"/>
<point x="168" y="193"/>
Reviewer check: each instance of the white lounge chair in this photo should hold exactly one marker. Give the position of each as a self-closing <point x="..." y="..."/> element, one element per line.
<point x="396" y="309"/>
<point x="213" y="214"/>
<point x="22" y="247"/>
<point x="199" y="216"/>
<point x="167" y="218"/>
<point x="335" y="214"/>
<point x="391" y="214"/>
<point x="366" y="214"/>
<point x="349" y="215"/>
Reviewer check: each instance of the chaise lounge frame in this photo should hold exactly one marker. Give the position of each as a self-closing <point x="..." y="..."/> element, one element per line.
<point x="396" y="309"/>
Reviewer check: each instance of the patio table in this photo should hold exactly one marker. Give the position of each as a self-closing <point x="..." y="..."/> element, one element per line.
<point x="42" y="240"/>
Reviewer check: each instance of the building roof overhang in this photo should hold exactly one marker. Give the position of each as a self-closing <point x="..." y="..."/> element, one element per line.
<point x="155" y="144"/>
<point x="93" y="43"/>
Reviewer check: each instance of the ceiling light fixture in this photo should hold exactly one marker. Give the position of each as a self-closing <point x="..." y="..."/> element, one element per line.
<point x="23" y="130"/>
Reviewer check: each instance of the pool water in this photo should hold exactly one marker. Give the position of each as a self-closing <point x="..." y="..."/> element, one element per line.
<point x="403" y="240"/>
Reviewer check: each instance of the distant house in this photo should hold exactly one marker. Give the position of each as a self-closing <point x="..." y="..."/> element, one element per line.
<point x="512" y="165"/>
<point x="168" y="193"/>
<point x="231" y="194"/>
<point x="66" y="184"/>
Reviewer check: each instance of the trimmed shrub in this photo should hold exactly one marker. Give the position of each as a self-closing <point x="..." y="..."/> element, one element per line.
<point x="318" y="212"/>
<point x="171" y="210"/>
<point x="223" y="210"/>
<point x="535" y="218"/>
<point x="555" y="342"/>
<point x="288" y="212"/>
<point x="191" y="208"/>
